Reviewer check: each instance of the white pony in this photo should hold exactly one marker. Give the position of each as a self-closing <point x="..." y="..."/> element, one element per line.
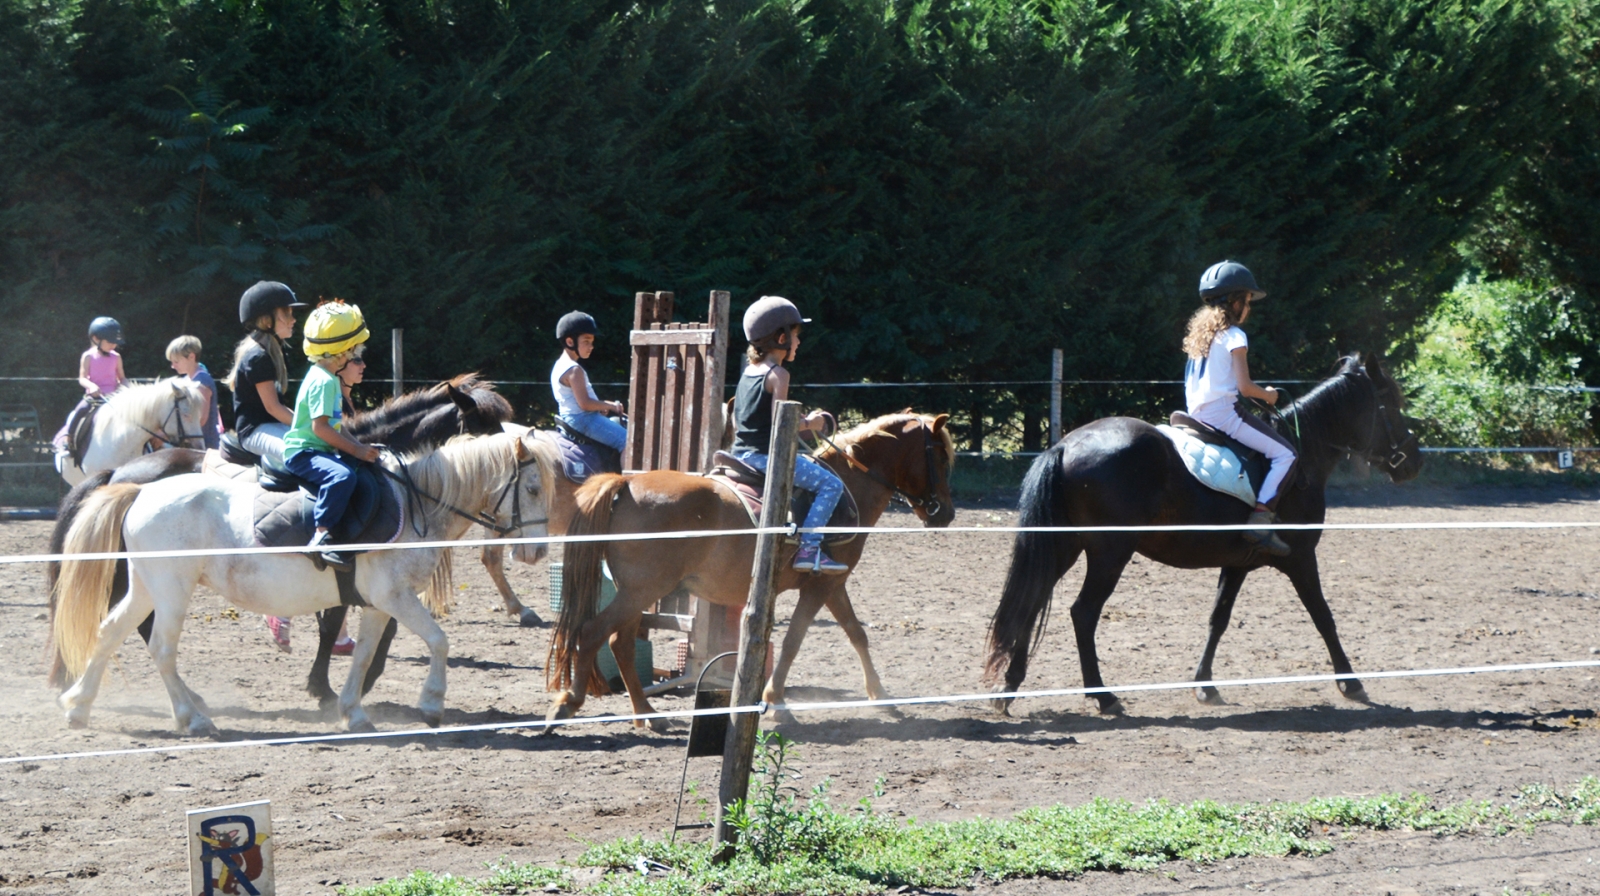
<point x="490" y="479"/>
<point x="173" y="410"/>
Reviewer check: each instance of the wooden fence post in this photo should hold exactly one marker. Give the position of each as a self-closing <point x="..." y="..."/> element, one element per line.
<point x="755" y="626"/>
<point x="1055" y="396"/>
<point x="396" y="353"/>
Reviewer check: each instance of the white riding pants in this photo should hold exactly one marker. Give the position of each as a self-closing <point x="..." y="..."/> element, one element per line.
<point x="266" y="440"/>
<point x="1229" y="422"/>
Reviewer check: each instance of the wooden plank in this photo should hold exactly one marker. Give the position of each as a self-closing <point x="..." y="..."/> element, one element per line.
<point x="652" y="407"/>
<point x="693" y="408"/>
<point x="671" y="337"/>
<point x="632" y="455"/>
<point x="755" y="628"/>
<point x="715" y="377"/>
<point x="671" y="401"/>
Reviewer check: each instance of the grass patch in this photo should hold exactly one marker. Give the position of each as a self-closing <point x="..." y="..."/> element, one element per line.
<point x="801" y="844"/>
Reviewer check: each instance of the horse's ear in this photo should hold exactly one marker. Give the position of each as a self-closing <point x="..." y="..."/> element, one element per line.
<point x="523" y="452"/>
<point x="908" y="411"/>
<point x="939" y="422"/>
<point x="462" y="400"/>
<point x="1374" y="363"/>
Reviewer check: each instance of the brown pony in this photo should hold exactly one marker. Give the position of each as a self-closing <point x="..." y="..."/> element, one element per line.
<point x="905" y="455"/>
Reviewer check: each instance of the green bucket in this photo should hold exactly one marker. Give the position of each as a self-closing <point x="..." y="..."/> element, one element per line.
<point x="644" y="658"/>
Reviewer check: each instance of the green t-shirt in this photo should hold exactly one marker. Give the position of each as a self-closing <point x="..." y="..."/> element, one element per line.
<point x="319" y="396"/>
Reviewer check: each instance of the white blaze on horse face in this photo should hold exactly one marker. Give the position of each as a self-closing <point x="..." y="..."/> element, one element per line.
<point x="535" y="523"/>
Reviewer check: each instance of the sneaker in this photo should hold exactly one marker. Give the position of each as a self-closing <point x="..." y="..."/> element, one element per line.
<point x="335" y="559"/>
<point x="813" y="559"/>
<point x="1265" y="540"/>
<point x="279" y="627"/>
<point x="344" y="646"/>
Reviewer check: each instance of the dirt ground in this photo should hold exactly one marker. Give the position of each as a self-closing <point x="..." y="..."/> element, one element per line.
<point x="359" y="812"/>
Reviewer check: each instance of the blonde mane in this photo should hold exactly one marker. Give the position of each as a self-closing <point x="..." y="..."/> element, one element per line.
<point x="149" y="404"/>
<point x="471" y="465"/>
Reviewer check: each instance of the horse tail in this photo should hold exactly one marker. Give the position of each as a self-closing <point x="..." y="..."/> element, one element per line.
<point x="65" y="514"/>
<point x="580" y="581"/>
<point x="1038" y="561"/>
<point x="83" y="592"/>
<point x="440" y="597"/>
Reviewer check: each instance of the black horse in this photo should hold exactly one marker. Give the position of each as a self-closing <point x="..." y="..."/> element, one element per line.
<point x="1123" y="472"/>
<point x="414" y="421"/>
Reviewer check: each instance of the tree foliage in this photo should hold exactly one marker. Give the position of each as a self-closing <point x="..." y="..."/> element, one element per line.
<point x="949" y="189"/>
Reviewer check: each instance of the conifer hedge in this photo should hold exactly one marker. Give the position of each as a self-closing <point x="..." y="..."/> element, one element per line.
<point x="949" y="189"/>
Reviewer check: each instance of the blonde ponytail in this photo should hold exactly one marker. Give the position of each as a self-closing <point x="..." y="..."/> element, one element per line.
<point x="268" y="340"/>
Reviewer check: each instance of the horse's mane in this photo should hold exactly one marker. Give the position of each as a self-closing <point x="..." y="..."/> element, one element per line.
<point x="133" y="403"/>
<point x="391" y="413"/>
<point x="467" y="465"/>
<point x="1317" y="408"/>
<point x="884" y="428"/>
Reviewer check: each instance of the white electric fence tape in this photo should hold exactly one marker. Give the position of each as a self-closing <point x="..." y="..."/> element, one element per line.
<point x="810" y="707"/>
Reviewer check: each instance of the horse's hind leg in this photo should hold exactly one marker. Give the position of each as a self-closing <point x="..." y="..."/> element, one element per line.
<point x="1228" y="585"/>
<point x="114" y="629"/>
<point x="1100" y="579"/>
<point x="380" y="659"/>
<point x="1308" y="585"/>
<point x="494" y="561"/>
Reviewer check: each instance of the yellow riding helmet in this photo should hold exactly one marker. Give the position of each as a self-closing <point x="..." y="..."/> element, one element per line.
<point x="333" y="329"/>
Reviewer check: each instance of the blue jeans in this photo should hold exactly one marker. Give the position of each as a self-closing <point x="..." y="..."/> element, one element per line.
<point x="599" y="427"/>
<point x="814" y="478"/>
<point x="335" y="482"/>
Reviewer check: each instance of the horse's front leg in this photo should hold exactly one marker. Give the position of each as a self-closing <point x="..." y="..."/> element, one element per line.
<point x="494" y="560"/>
<point x="1228" y="585"/>
<point x="368" y="635"/>
<point x="844" y="612"/>
<point x="414" y="616"/>
<point x="805" y="613"/>
<point x="1307" y="581"/>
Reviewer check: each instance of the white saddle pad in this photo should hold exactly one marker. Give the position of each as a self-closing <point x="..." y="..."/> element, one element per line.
<point x="1216" y="467"/>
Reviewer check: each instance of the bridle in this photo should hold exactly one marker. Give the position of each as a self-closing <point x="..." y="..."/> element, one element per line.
<point x="1397" y="453"/>
<point x="489" y="520"/>
<point x="928" y="503"/>
<point x="179" y="399"/>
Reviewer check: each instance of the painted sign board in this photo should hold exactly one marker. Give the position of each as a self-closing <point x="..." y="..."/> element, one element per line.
<point x="230" y="850"/>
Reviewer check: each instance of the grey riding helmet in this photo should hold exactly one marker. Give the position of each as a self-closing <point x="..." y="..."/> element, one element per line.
<point x="1225" y="278"/>
<point x="265" y="298"/>
<point x="106" y="328"/>
<point x="574" y="324"/>
<point x="769" y="315"/>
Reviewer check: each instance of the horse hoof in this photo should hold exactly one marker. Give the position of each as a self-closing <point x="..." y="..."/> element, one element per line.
<point x="204" y="728"/>
<point x="1353" y="690"/>
<point x="1113" y="708"/>
<point x="1209" y="696"/>
<point x="529" y="619"/>
<point x="77" y="721"/>
<point x="658" y="726"/>
<point x="432" y="719"/>
<point x="892" y="713"/>
<point x="361" y="726"/>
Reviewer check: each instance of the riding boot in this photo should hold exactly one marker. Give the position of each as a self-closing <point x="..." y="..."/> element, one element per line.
<point x="336" y="559"/>
<point x="1265" y="540"/>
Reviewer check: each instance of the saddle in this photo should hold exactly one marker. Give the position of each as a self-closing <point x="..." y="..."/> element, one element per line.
<point x="282" y="515"/>
<point x="80" y="428"/>
<point x="581" y="456"/>
<point x="750" y="485"/>
<point x="1213" y="471"/>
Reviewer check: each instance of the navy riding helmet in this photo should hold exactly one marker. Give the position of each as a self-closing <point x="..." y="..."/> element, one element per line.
<point x="1225" y="278"/>
<point x="106" y="328"/>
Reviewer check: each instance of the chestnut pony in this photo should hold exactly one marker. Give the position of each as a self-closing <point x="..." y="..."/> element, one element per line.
<point x="901" y="455"/>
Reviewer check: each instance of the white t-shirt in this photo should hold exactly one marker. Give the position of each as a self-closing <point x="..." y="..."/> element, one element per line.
<point x="566" y="401"/>
<point x="1209" y="383"/>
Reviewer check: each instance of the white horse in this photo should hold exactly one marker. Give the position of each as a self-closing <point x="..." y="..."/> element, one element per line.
<point x="173" y="410"/>
<point x="489" y="479"/>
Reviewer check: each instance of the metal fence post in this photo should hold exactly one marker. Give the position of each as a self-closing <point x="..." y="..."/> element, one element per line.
<point x="396" y="354"/>
<point x="755" y="625"/>
<point x="1055" y="396"/>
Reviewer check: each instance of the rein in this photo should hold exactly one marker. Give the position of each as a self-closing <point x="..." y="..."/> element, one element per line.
<point x="177" y="401"/>
<point x="929" y="502"/>
<point x="489" y="521"/>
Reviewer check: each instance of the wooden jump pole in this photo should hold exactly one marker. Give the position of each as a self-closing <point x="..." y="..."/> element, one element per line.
<point x="1056" y="366"/>
<point x="755" y="625"/>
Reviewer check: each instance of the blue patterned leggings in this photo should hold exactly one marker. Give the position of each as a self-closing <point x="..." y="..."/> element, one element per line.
<point x="814" y="478"/>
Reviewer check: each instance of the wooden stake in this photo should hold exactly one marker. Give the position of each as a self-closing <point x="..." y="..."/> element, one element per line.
<point x="755" y="626"/>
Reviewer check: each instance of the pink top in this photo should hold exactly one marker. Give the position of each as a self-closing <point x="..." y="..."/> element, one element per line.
<point x="103" y="369"/>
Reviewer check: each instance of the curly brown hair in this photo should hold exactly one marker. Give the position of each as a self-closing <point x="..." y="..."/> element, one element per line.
<point x="1206" y="323"/>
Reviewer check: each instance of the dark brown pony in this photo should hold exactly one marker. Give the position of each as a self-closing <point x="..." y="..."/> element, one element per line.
<point x="906" y="453"/>
<point x="1123" y="472"/>
<point x="426" y="418"/>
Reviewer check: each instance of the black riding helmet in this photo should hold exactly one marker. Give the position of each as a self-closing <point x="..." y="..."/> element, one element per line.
<point x="1225" y="278"/>
<point x="572" y="325"/>
<point x="265" y="298"/>
<point x="106" y="328"/>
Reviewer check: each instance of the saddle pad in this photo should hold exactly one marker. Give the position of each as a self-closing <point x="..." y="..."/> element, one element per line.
<point x="844" y="514"/>
<point x="579" y="460"/>
<point x="80" y="428"/>
<point x="1215" y="467"/>
<point x="375" y="515"/>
